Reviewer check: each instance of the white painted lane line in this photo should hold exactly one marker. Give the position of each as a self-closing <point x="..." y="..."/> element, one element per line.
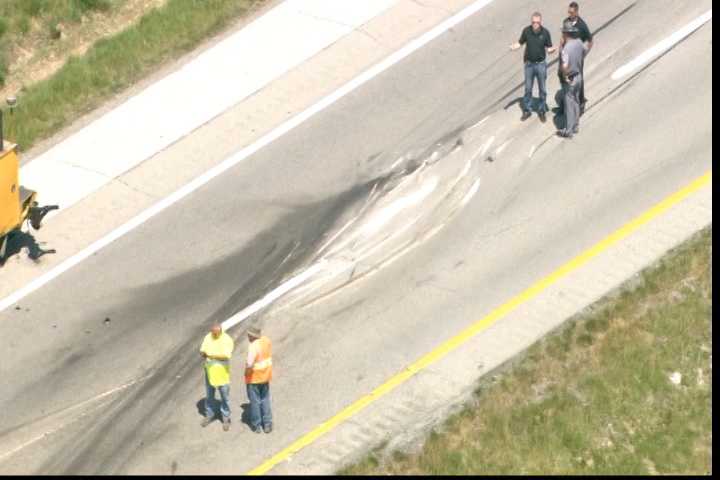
<point x="244" y="153"/>
<point x="662" y="46"/>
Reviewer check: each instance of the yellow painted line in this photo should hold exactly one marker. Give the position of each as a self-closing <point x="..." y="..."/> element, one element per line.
<point x="484" y="323"/>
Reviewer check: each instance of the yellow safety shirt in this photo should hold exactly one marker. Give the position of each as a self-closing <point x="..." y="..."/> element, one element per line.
<point x="217" y="371"/>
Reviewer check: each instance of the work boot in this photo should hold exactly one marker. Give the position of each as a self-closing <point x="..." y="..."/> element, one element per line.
<point x="542" y="117"/>
<point x="267" y="429"/>
<point x="525" y="116"/>
<point x="226" y="424"/>
<point x="206" y="421"/>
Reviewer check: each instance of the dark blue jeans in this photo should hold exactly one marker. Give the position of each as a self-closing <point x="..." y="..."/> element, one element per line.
<point x="533" y="71"/>
<point x="259" y="396"/>
<point x="210" y="398"/>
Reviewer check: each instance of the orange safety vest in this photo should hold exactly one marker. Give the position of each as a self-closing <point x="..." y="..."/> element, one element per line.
<point x="261" y="371"/>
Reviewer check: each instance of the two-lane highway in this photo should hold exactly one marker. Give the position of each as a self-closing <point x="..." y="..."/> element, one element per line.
<point x="104" y="358"/>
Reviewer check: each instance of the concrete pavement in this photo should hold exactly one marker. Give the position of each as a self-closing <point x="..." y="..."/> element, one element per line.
<point x="169" y="170"/>
<point x="242" y="235"/>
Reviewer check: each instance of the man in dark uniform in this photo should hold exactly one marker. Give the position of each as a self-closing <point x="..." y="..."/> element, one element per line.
<point x="571" y="59"/>
<point x="586" y="37"/>
<point x="538" y="43"/>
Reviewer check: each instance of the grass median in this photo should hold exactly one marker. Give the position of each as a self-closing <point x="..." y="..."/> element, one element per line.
<point x="624" y="388"/>
<point x="114" y="63"/>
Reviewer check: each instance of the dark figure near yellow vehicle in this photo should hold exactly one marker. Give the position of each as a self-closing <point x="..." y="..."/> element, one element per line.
<point x="17" y="203"/>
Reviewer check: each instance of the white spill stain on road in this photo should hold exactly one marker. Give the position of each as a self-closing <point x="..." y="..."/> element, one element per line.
<point x="392" y="210"/>
<point x="243" y="153"/>
<point x="478" y="124"/>
<point x="502" y="147"/>
<point x="487" y="145"/>
<point x="273" y="295"/>
<point x="471" y="193"/>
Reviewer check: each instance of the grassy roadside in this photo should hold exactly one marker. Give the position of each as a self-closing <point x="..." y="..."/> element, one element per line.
<point x="23" y="21"/>
<point x="116" y="62"/>
<point x="622" y="389"/>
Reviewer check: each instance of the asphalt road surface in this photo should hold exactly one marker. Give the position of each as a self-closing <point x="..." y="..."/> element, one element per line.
<point x="429" y="203"/>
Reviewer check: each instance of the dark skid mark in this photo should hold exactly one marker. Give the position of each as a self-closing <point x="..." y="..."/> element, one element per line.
<point x="255" y="269"/>
<point x="443" y="145"/>
<point x="271" y="250"/>
<point x="109" y="444"/>
<point x="347" y="308"/>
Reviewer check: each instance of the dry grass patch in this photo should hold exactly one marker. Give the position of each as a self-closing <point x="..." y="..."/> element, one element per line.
<point x="42" y="35"/>
<point x="622" y="389"/>
<point x="78" y="75"/>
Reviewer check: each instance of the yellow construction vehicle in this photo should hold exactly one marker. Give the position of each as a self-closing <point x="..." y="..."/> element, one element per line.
<point x="17" y="203"/>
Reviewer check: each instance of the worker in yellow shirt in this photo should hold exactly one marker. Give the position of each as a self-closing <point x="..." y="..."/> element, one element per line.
<point x="216" y="349"/>
<point x="258" y="373"/>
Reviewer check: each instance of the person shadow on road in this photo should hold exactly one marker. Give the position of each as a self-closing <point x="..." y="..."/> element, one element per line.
<point x="559" y="119"/>
<point x="17" y="241"/>
<point x="244" y="416"/>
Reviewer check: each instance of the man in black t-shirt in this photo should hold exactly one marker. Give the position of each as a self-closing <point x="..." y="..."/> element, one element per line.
<point x="538" y="43"/>
<point x="585" y="36"/>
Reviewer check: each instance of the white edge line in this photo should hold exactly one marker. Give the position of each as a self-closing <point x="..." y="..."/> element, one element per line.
<point x="243" y="153"/>
<point x="662" y="46"/>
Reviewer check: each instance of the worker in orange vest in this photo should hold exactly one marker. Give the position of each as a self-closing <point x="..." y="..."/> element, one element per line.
<point x="258" y="374"/>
